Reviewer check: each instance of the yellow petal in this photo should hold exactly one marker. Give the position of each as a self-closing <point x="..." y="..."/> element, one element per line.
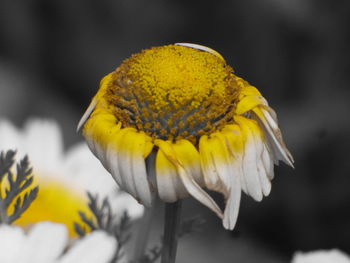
<point x="248" y="103"/>
<point x="246" y="88"/>
<point x="104" y="84"/>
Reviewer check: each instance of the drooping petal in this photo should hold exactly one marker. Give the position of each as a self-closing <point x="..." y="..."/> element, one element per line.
<point x="185" y="172"/>
<point x="264" y="159"/>
<point x="197" y="192"/>
<point x="235" y="139"/>
<point x="95" y="247"/>
<point x="111" y="160"/>
<point x="102" y="132"/>
<point x="222" y="173"/>
<point x="45" y="242"/>
<point x="211" y="175"/>
<point x="134" y="148"/>
<point x="273" y="134"/>
<point x="99" y="130"/>
<point x="170" y="186"/>
<point x="188" y="156"/>
<point x="121" y="151"/>
<point x="254" y="172"/>
<point x="268" y="160"/>
<point x="232" y="203"/>
<point x="250" y="99"/>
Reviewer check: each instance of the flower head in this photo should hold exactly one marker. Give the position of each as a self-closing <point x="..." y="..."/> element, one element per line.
<point x="63" y="177"/>
<point x="181" y="109"/>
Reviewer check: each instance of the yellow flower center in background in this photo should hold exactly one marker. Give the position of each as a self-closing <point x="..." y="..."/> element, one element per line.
<point x="173" y="92"/>
<point x="56" y="203"/>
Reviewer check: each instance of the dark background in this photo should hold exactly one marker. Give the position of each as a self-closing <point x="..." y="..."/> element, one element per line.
<point x="54" y="53"/>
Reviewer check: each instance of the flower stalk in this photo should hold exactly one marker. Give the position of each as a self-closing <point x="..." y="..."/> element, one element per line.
<point x="171" y="230"/>
<point x="143" y="233"/>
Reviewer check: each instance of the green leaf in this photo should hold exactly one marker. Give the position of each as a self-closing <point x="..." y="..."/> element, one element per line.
<point x="18" y="193"/>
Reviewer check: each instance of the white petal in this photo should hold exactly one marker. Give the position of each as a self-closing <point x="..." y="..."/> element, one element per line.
<point x="125" y="164"/>
<point x="321" y="256"/>
<point x="233" y="200"/>
<point x="45" y="243"/>
<point x="98" y="151"/>
<point x="12" y="239"/>
<point x="122" y="201"/>
<point x="44" y="145"/>
<point x="242" y="180"/>
<point x="82" y="168"/>
<point x="112" y="165"/>
<point x="264" y="180"/>
<point x="96" y="247"/>
<point x="267" y="158"/>
<point x="250" y="169"/>
<point x="10" y="137"/>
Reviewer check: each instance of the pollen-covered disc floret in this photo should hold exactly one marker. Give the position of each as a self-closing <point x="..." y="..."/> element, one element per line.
<point x="181" y="109"/>
<point x="173" y="92"/>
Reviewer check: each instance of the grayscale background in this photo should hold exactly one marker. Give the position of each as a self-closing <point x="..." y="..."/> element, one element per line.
<point x="54" y="53"/>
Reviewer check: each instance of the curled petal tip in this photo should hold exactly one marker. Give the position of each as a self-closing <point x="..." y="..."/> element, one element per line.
<point x="203" y="48"/>
<point x="86" y="115"/>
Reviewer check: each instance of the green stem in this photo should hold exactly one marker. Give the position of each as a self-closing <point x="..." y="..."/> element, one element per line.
<point x="143" y="233"/>
<point x="171" y="229"/>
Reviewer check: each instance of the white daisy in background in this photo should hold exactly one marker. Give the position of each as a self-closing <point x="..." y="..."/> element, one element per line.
<point x="321" y="256"/>
<point x="48" y="242"/>
<point x="63" y="177"/>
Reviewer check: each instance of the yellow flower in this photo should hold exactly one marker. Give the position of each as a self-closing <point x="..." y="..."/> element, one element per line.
<point x="181" y="111"/>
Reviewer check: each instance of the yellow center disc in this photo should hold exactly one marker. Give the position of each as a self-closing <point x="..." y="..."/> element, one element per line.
<point x="174" y="92"/>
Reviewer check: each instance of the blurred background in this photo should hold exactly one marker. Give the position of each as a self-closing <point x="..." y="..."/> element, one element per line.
<point x="54" y="53"/>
